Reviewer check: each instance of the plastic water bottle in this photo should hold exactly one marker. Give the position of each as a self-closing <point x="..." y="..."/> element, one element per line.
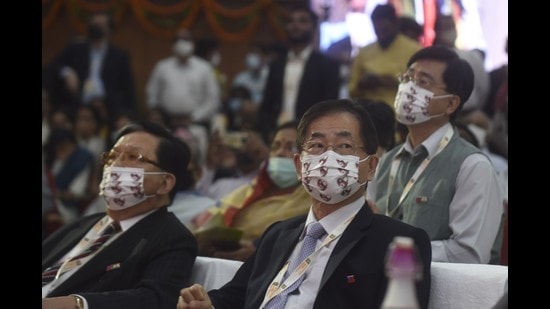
<point x="402" y="270"/>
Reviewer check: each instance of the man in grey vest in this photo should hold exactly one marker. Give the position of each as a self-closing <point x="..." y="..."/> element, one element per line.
<point x="436" y="180"/>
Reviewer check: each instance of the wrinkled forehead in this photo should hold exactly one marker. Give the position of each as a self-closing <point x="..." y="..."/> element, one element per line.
<point x="432" y="69"/>
<point x="142" y="142"/>
<point x="341" y="125"/>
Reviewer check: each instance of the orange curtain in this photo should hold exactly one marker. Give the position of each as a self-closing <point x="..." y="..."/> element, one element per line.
<point x="230" y="20"/>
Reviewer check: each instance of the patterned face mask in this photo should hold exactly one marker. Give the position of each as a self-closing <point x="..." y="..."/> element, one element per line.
<point x="411" y="103"/>
<point x="331" y="177"/>
<point x="122" y="187"/>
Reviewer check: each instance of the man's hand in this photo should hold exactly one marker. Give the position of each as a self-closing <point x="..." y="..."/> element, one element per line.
<point x="193" y="297"/>
<point x="71" y="80"/>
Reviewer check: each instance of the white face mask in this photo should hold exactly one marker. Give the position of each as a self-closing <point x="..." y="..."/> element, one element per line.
<point x="122" y="187"/>
<point x="253" y="61"/>
<point x="331" y="177"/>
<point x="216" y="59"/>
<point x="183" y="48"/>
<point x="411" y="103"/>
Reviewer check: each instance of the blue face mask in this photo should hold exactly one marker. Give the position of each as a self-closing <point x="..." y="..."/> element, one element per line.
<point x="282" y="171"/>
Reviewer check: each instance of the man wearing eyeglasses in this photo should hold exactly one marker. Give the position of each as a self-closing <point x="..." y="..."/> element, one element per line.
<point x="436" y="180"/>
<point x="138" y="254"/>
<point x="344" y="266"/>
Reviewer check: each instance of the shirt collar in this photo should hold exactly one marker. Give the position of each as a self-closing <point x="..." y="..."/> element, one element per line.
<point x="128" y="223"/>
<point x="334" y="219"/>
<point x="430" y="144"/>
<point x="303" y="55"/>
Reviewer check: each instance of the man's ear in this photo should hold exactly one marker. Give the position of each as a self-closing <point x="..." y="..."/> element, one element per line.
<point x="373" y="163"/>
<point x="453" y="105"/>
<point x="167" y="185"/>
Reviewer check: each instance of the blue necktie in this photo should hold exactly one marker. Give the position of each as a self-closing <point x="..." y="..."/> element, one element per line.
<point x="314" y="231"/>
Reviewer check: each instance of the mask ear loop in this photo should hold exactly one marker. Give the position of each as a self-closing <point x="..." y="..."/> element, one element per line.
<point x="360" y="161"/>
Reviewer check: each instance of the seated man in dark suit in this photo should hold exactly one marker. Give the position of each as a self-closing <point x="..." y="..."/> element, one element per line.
<point x="138" y="254"/>
<point x="337" y="144"/>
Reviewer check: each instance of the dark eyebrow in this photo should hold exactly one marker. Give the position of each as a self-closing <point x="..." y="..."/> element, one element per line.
<point x="422" y="74"/>
<point x="339" y="134"/>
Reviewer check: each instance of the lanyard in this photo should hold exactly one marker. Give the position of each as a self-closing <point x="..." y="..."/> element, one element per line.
<point x="277" y="286"/>
<point x="395" y="166"/>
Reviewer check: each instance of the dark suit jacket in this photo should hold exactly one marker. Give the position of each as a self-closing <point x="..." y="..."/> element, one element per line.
<point x="360" y="252"/>
<point x="116" y="74"/>
<point x="320" y="81"/>
<point x="156" y="256"/>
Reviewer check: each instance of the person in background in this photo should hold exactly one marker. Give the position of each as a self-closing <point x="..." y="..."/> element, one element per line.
<point x="336" y="158"/>
<point x="298" y="79"/>
<point x="409" y="27"/>
<point x="185" y="87"/>
<point x="383" y="117"/>
<point x="436" y="180"/>
<point x="274" y="194"/>
<point x="208" y="49"/>
<point x="87" y="125"/>
<point x="375" y="68"/>
<point x="72" y="167"/>
<point x="231" y="162"/>
<point x="149" y="253"/>
<point x="93" y="68"/>
<point x="240" y="110"/>
<point x="255" y="75"/>
<point x="189" y="203"/>
<point x="446" y="35"/>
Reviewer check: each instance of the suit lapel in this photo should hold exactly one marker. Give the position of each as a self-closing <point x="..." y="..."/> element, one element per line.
<point x="120" y="251"/>
<point x="356" y="230"/>
<point x="285" y="244"/>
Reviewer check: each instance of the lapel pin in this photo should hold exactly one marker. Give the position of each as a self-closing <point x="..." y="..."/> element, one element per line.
<point x="113" y="266"/>
<point x="421" y="199"/>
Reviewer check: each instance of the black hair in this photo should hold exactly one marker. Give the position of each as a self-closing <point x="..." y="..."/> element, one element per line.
<point x="458" y="75"/>
<point x="383" y="117"/>
<point x="292" y="124"/>
<point x="367" y="129"/>
<point x="384" y="11"/>
<point x="173" y="154"/>
<point x="409" y="24"/>
<point x="302" y="7"/>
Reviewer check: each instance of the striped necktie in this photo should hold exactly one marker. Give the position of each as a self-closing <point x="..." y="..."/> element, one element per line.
<point x="314" y="232"/>
<point x="51" y="272"/>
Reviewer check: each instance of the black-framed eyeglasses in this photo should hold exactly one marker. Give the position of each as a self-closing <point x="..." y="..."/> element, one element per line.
<point x="343" y="148"/>
<point x="132" y="157"/>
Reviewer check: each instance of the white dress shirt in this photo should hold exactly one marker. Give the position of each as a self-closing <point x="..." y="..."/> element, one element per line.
<point x="184" y="88"/>
<point x="291" y="83"/>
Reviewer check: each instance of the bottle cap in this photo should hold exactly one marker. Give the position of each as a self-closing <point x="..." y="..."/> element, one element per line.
<point x="403" y="241"/>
